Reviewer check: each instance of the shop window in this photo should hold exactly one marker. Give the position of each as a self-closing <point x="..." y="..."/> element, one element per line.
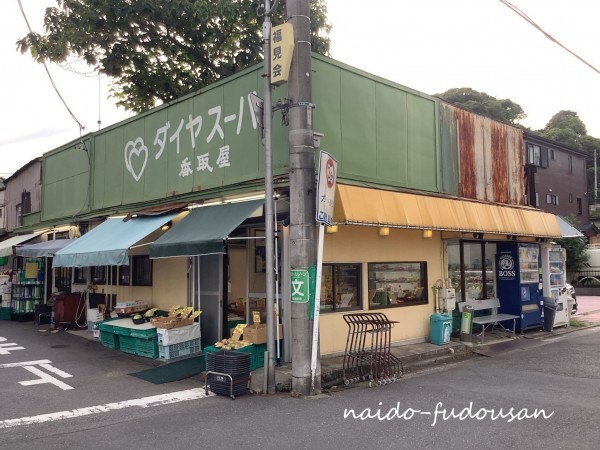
<point x="62" y="279"/>
<point x="141" y="271"/>
<point x="397" y="284"/>
<point x="471" y="269"/>
<point x="340" y="287"/>
<point x="79" y="275"/>
<point x="119" y="275"/>
<point x="98" y="274"/>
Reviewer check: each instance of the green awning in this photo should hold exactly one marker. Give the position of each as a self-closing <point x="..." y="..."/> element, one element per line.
<point x="108" y="244"/>
<point x="203" y="230"/>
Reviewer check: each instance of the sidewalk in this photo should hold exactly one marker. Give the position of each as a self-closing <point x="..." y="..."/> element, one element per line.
<point x="421" y="356"/>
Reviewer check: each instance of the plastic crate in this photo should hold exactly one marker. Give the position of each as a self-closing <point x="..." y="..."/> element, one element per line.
<point x="4" y="313"/>
<point x="147" y="348"/>
<point x="109" y="339"/>
<point x="185" y="348"/>
<point x="143" y="334"/>
<point x="257" y="352"/>
<point x="106" y="326"/>
<point x="258" y="356"/>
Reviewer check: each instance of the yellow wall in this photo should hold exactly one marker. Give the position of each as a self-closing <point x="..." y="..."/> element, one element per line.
<point x="361" y="244"/>
<point x="169" y="282"/>
<point x="237" y="272"/>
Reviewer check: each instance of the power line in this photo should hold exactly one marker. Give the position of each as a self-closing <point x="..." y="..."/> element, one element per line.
<point x="81" y="127"/>
<point x="530" y="21"/>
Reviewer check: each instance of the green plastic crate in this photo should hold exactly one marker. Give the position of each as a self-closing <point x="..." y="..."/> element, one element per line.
<point x="147" y="348"/>
<point x="144" y="334"/>
<point x="109" y="339"/>
<point x="5" y="313"/>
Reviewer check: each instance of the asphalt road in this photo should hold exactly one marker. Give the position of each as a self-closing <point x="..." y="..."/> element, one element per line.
<point x="536" y="397"/>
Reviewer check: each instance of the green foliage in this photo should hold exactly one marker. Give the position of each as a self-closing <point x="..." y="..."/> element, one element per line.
<point x="159" y="50"/>
<point x="503" y="110"/>
<point x="565" y="127"/>
<point x="575" y="248"/>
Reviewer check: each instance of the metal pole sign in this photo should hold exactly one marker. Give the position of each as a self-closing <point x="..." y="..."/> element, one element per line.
<point x="300" y="285"/>
<point x="326" y="188"/>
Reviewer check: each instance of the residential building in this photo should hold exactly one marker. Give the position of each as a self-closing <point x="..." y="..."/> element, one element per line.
<point x="556" y="178"/>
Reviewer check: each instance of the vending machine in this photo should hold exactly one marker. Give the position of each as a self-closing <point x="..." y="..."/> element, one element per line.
<point x="553" y="274"/>
<point x="519" y="282"/>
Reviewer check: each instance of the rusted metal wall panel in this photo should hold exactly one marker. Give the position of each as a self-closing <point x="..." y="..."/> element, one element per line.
<point x="490" y="159"/>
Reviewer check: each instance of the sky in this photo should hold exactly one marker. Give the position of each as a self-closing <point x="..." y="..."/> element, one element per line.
<point x="427" y="45"/>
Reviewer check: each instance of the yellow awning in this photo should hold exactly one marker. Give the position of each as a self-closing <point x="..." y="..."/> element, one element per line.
<point x="364" y="206"/>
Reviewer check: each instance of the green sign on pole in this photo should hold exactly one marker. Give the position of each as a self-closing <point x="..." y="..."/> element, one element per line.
<point x="299" y="285"/>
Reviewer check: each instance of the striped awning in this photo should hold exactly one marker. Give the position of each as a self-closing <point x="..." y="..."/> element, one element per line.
<point x="365" y="206"/>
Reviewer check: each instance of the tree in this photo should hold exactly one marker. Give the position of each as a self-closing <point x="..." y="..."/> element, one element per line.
<point x="575" y="248"/>
<point x="565" y="127"/>
<point x="157" y="50"/>
<point x="503" y="110"/>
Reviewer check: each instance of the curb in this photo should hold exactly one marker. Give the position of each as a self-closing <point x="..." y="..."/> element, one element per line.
<point x="411" y="363"/>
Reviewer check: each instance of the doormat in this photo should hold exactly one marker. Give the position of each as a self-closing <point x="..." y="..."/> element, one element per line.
<point x="174" y="371"/>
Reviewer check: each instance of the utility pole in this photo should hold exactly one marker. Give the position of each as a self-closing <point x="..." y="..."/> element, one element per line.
<point x="595" y="179"/>
<point x="269" y="231"/>
<point x="302" y="191"/>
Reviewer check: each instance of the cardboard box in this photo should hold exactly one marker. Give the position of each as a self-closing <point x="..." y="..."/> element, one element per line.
<point x="170" y="322"/>
<point x="257" y="334"/>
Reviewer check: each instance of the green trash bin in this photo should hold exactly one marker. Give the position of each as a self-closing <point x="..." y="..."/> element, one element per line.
<point x="440" y="328"/>
<point x="466" y="323"/>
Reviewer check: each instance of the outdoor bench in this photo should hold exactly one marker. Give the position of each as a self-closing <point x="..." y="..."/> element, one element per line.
<point x="488" y="320"/>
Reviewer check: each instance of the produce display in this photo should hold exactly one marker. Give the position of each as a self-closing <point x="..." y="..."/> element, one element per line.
<point x="175" y="317"/>
<point x="231" y="344"/>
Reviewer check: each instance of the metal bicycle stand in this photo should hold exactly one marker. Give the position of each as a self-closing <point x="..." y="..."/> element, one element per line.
<point x="368" y="354"/>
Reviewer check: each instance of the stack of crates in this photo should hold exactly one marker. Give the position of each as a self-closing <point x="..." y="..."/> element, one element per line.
<point x="257" y="352"/>
<point x="140" y="342"/>
<point x="108" y="337"/>
<point x="179" y="342"/>
<point x="186" y="348"/>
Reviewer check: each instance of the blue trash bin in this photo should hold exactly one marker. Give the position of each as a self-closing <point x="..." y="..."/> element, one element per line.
<point x="440" y="328"/>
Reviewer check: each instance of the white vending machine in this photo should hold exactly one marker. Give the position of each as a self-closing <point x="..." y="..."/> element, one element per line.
<point x="554" y="272"/>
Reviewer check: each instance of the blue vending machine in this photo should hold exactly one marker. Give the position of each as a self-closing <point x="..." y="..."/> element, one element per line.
<point x="519" y="282"/>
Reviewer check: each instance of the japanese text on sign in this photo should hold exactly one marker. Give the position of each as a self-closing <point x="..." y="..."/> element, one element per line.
<point x="282" y="49"/>
<point x="326" y="188"/>
<point x="136" y="152"/>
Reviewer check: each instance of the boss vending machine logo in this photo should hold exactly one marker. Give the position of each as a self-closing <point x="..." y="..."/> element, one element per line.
<point x="506" y="266"/>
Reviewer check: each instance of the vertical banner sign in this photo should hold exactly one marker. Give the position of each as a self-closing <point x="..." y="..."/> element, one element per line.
<point x="300" y="285"/>
<point x="282" y="49"/>
<point x="326" y="188"/>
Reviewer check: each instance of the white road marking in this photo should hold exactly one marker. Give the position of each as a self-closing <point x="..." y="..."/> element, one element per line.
<point x="5" y="349"/>
<point x="144" y="402"/>
<point x="25" y="363"/>
<point x="44" y="378"/>
<point x="58" y="372"/>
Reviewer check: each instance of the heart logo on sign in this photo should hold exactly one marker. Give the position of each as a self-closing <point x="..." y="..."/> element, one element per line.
<point x="139" y="150"/>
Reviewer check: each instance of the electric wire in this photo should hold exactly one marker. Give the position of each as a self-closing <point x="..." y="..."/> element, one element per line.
<point x="548" y="35"/>
<point x="81" y="126"/>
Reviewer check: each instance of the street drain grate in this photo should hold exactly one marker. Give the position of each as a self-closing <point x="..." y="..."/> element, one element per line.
<point x="59" y="346"/>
